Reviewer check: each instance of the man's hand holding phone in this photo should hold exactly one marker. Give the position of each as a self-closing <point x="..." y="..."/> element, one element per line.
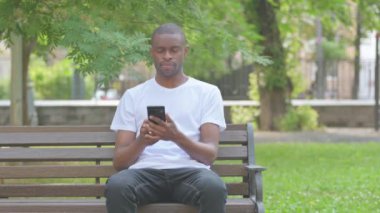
<point x="146" y="134"/>
<point x="161" y="124"/>
<point x="156" y="114"/>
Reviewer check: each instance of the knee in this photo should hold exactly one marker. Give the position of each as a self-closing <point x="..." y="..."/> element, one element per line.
<point x="214" y="186"/>
<point x="117" y="184"/>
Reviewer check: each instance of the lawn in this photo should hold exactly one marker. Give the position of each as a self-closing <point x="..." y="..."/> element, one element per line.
<point x="320" y="177"/>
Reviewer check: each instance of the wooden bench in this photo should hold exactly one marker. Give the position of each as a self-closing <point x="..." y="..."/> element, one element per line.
<point x="64" y="169"/>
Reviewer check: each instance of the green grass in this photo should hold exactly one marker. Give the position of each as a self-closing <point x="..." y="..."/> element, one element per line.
<point x="316" y="177"/>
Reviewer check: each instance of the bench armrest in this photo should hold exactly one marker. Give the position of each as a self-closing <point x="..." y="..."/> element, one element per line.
<point x="255" y="168"/>
<point x="256" y="186"/>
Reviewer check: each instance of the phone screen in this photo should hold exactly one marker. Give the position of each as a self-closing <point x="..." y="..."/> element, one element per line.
<point x="157" y="111"/>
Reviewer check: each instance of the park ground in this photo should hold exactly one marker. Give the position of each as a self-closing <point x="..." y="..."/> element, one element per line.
<point x="324" y="135"/>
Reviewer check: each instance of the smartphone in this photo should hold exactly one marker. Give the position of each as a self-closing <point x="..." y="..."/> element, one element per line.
<point x="157" y="111"/>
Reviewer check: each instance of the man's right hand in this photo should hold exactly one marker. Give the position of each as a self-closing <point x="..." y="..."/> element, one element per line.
<point x="147" y="137"/>
<point x="128" y="147"/>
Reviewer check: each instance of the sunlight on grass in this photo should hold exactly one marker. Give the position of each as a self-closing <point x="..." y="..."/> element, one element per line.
<point x="316" y="177"/>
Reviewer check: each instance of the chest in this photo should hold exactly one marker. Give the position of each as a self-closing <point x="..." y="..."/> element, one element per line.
<point x="183" y="106"/>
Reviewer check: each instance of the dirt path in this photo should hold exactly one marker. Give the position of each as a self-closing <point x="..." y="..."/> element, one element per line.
<point x="326" y="135"/>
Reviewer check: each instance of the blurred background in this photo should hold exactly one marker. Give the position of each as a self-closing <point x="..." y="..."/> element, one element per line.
<point x="283" y="65"/>
<point x="305" y="73"/>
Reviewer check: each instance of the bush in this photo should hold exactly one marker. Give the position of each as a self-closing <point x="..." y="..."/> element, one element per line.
<point x="4" y="88"/>
<point x="299" y="118"/>
<point x="55" y="82"/>
<point x="243" y="115"/>
<point x="51" y="82"/>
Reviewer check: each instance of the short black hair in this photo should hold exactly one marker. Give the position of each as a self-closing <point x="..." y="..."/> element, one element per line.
<point x="169" y="28"/>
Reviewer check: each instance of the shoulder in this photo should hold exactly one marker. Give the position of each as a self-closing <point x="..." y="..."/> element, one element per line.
<point x="138" y="89"/>
<point x="204" y="86"/>
<point x="142" y="86"/>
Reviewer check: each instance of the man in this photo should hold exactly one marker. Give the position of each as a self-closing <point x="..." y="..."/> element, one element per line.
<point x="167" y="161"/>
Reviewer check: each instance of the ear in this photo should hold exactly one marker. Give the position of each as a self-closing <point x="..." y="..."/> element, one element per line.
<point x="151" y="51"/>
<point x="186" y="50"/>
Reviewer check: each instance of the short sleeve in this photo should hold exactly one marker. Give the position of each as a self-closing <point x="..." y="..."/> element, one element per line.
<point x="213" y="109"/>
<point x="124" y="118"/>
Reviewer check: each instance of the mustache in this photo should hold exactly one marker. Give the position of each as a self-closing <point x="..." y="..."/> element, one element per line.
<point x="167" y="64"/>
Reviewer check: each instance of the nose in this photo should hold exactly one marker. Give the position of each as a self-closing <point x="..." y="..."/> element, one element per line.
<point x="167" y="55"/>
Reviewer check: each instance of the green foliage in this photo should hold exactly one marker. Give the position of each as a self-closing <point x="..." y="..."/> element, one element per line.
<point x="55" y="82"/>
<point x="219" y="36"/>
<point x="242" y="115"/>
<point x="299" y="118"/>
<point x="90" y="85"/>
<point x="297" y="26"/>
<point x="105" y="51"/>
<point x="316" y="177"/>
<point x="298" y="83"/>
<point x="370" y="15"/>
<point x="51" y="82"/>
<point x="4" y="88"/>
<point x="253" y="91"/>
<point x="333" y="50"/>
<point x="104" y="36"/>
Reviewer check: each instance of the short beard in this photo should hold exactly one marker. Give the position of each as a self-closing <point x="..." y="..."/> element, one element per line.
<point x="171" y="73"/>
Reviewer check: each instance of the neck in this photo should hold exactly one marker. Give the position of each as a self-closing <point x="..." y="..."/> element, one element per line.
<point x="171" y="82"/>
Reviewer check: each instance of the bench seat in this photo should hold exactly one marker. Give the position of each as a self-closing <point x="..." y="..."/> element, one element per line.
<point x="98" y="206"/>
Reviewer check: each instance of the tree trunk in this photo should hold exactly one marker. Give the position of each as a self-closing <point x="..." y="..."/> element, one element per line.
<point x="355" y="87"/>
<point x="273" y="78"/>
<point x="16" y="109"/>
<point x="272" y="108"/>
<point x="28" y="106"/>
<point x="319" y="86"/>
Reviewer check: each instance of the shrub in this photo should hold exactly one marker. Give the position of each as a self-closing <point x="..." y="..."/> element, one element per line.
<point x="299" y="118"/>
<point x="243" y="115"/>
<point x="55" y="82"/>
<point x="4" y="88"/>
<point x="51" y="82"/>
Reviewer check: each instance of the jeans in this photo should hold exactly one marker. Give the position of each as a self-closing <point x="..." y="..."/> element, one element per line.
<point x="130" y="188"/>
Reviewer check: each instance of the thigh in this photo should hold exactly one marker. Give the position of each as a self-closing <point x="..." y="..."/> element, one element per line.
<point x="189" y="184"/>
<point x="146" y="185"/>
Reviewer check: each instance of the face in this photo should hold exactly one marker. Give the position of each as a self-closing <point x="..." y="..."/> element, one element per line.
<point x="168" y="52"/>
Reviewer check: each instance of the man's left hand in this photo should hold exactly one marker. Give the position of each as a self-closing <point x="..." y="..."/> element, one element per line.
<point x="166" y="130"/>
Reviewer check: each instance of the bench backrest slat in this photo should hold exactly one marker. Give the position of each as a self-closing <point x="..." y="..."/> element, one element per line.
<point x="85" y="138"/>
<point x="90" y="154"/>
<point x="89" y="171"/>
<point x="57" y="138"/>
<point x="83" y="128"/>
<point x="55" y="128"/>
<point x="81" y="190"/>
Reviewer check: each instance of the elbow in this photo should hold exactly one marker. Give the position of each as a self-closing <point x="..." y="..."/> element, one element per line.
<point x="118" y="166"/>
<point x="210" y="159"/>
<point x="208" y="162"/>
<point x="214" y="155"/>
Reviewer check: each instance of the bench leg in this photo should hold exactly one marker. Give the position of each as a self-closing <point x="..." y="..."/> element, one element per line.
<point x="256" y="190"/>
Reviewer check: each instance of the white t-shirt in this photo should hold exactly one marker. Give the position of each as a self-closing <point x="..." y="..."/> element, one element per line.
<point x="189" y="105"/>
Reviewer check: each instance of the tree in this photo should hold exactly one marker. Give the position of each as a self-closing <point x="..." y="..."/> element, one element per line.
<point x="283" y="26"/>
<point x="272" y="78"/>
<point x="103" y="36"/>
<point x="367" y="19"/>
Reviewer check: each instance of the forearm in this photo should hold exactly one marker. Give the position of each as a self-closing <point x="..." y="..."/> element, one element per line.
<point x="127" y="155"/>
<point x="203" y="152"/>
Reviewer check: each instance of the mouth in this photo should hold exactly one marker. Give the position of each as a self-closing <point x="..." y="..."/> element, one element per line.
<point x="167" y="65"/>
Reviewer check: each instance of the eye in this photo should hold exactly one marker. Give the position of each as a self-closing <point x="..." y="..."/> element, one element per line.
<point x="160" y="50"/>
<point x="175" y="49"/>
